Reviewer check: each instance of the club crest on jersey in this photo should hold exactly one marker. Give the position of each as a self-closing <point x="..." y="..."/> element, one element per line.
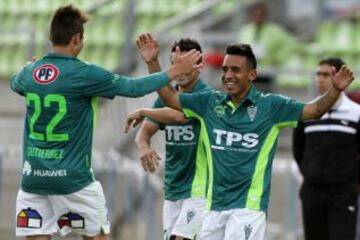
<point x="252" y="112"/>
<point x="29" y="218"/>
<point x="219" y="110"/>
<point x="45" y="74"/>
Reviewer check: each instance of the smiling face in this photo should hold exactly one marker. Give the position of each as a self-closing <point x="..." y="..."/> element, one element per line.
<point x="237" y="75"/>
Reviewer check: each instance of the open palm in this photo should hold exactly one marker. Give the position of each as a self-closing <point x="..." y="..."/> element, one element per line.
<point x="342" y="79"/>
<point x="148" y="47"/>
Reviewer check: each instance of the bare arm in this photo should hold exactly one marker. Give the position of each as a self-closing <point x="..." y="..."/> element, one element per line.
<point x="160" y="115"/>
<point x="323" y="104"/>
<point x="341" y="80"/>
<point x="149" y="51"/>
<point x="148" y="156"/>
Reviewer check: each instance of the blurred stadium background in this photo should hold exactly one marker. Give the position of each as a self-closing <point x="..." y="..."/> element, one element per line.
<point x="322" y="28"/>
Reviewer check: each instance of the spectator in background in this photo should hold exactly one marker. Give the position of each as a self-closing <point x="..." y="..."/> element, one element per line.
<point x="326" y="151"/>
<point x="272" y="43"/>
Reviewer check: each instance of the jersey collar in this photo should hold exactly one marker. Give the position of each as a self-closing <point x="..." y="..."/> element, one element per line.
<point x="199" y="85"/>
<point x="250" y="98"/>
<point x="57" y="55"/>
<point x="342" y="104"/>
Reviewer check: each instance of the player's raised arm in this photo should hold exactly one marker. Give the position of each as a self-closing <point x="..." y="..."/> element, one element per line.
<point x="149" y="49"/>
<point x="340" y="81"/>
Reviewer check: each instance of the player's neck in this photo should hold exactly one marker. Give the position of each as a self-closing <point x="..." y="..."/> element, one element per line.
<point x="239" y="98"/>
<point x="188" y="88"/>
<point x="64" y="50"/>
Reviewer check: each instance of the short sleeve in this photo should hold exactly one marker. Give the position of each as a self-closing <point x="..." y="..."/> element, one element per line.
<point x="285" y="109"/>
<point x="196" y="102"/>
<point x="157" y="104"/>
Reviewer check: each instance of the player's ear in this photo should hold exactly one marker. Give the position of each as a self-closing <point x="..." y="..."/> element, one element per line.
<point x="252" y="74"/>
<point x="76" y="39"/>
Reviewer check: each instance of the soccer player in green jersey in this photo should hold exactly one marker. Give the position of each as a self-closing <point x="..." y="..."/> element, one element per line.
<point x="239" y="128"/>
<point x="185" y="164"/>
<point x="58" y="190"/>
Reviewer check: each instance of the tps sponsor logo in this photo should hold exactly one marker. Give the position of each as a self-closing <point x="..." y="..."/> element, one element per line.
<point x="29" y="218"/>
<point x="228" y="138"/>
<point x="45" y="74"/>
<point x="179" y="133"/>
<point x="72" y="220"/>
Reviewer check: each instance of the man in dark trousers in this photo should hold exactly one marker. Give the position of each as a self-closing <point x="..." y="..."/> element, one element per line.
<point x="326" y="151"/>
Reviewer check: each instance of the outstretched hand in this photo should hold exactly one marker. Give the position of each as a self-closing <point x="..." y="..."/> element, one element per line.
<point x="342" y="79"/>
<point x="188" y="61"/>
<point x="148" y="47"/>
<point x="149" y="159"/>
<point x="133" y="119"/>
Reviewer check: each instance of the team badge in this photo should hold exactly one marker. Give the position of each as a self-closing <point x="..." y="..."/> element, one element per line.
<point x="72" y="220"/>
<point x="247" y="230"/>
<point x="190" y="215"/>
<point x="29" y="218"/>
<point x="219" y="110"/>
<point x="45" y="74"/>
<point x="252" y="112"/>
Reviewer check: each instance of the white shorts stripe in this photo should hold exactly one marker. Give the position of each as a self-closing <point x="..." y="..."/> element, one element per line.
<point x="331" y="127"/>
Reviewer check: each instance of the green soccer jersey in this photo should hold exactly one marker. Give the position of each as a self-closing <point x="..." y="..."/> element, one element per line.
<point x="240" y="143"/>
<point x="60" y="93"/>
<point x="185" y="172"/>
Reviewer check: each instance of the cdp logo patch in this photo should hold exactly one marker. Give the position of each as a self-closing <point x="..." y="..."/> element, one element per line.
<point x="72" y="220"/>
<point x="29" y="218"/>
<point x="46" y="74"/>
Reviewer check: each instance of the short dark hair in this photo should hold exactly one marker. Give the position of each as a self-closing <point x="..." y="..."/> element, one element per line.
<point x="244" y="50"/>
<point x="255" y="5"/>
<point x="66" y="22"/>
<point x="332" y="61"/>
<point x="187" y="44"/>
